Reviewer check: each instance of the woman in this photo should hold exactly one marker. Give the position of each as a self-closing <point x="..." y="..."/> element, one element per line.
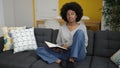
<point x="72" y="35"/>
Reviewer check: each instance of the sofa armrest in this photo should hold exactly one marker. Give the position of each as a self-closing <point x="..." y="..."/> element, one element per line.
<point x="1" y="44"/>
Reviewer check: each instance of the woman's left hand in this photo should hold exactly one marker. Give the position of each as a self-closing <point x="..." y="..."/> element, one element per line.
<point x="65" y="46"/>
<point x="57" y="49"/>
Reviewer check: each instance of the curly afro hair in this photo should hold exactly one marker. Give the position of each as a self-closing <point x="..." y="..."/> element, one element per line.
<point x="72" y="6"/>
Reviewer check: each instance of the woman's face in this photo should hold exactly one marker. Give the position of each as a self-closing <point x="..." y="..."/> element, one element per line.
<point x="71" y="16"/>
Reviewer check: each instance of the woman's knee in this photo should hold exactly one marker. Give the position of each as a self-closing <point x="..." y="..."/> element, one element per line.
<point x="79" y="35"/>
<point x="79" y="32"/>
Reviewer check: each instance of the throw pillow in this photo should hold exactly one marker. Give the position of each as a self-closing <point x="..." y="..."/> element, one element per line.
<point x="23" y="40"/>
<point x="116" y="57"/>
<point x="8" y="45"/>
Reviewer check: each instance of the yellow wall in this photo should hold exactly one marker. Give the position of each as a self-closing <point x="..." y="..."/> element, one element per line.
<point x="91" y="8"/>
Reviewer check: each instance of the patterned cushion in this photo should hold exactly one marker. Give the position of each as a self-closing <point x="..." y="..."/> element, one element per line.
<point x="116" y="57"/>
<point x="7" y="38"/>
<point x="23" y="40"/>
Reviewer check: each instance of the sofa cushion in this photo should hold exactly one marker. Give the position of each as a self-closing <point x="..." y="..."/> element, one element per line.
<point x="23" y="39"/>
<point x="90" y="42"/>
<point x="106" y="43"/>
<point x="43" y="34"/>
<point x="116" y="57"/>
<point x="1" y="44"/>
<point x="8" y="44"/>
<point x="85" y="63"/>
<point x="102" y="62"/>
<point x="42" y="64"/>
<point x="54" y="35"/>
<point x="19" y="60"/>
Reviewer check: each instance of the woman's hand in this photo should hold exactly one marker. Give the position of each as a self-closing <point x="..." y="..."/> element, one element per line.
<point x="65" y="46"/>
<point x="57" y="49"/>
<point x="60" y="50"/>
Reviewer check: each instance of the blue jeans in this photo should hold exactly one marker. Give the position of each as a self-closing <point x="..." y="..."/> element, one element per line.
<point x="77" y="50"/>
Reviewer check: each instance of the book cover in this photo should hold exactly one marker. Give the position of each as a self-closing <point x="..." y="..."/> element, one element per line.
<point x="51" y="45"/>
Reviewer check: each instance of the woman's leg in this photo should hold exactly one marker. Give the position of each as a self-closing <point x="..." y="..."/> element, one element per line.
<point x="50" y="55"/>
<point x="78" y="46"/>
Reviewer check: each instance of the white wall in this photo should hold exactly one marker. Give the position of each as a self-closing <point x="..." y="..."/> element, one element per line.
<point x="18" y="13"/>
<point x="1" y="16"/>
<point x="46" y="9"/>
<point x="8" y="12"/>
<point x="1" y="13"/>
<point x="2" y="23"/>
<point x="23" y="13"/>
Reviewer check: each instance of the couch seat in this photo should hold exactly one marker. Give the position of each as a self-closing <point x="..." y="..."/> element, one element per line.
<point x="102" y="62"/>
<point x="85" y="63"/>
<point x="17" y="60"/>
<point x="82" y="64"/>
<point x="42" y="64"/>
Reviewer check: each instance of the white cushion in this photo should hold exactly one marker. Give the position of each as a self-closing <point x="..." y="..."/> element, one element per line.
<point x="8" y="44"/>
<point x="116" y="57"/>
<point x="23" y="40"/>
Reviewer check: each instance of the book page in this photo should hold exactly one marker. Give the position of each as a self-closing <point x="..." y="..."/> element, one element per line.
<point x="54" y="45"/>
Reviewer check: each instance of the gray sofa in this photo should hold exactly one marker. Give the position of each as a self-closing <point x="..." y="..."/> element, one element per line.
<point x="101" y="46"/>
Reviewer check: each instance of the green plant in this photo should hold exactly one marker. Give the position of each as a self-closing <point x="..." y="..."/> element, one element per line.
<point x="111" y="13"/>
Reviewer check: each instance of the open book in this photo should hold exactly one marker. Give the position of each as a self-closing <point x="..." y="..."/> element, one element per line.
<point x="51" y="45"/>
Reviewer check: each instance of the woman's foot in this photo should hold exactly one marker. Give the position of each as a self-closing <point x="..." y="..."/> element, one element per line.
<point x="63" y="64"/>
<point x="71" y="63"/>
<point x="58" y="61"/>
<point x="71" y="60"/>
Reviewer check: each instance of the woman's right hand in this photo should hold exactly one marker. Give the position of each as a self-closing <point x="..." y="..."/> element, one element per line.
<point x="65" y="46"/>
<point x="57" y="49"/>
